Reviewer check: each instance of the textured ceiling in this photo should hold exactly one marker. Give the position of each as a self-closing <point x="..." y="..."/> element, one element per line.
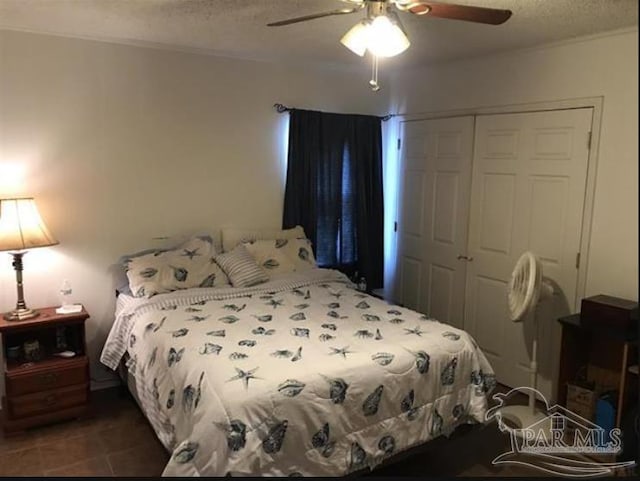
<point x="237" y="27"/>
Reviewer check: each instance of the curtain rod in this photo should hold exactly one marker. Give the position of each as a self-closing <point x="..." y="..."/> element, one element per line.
<point x="281" y="108"/>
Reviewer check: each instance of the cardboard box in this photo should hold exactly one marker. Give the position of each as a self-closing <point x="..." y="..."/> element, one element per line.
<point x="582" y="401"/>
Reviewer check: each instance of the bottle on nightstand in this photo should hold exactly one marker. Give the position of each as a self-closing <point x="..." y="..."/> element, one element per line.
<point x="66" y="306"/>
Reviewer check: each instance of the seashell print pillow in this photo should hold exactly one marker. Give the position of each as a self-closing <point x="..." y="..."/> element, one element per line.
<point x="269" y="255"/>
<point x="300" y="252"/>
<point x="189" y="265"/>
<point x="232" y="237"/>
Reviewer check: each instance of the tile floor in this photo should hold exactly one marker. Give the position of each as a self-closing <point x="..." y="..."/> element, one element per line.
<point x="118" y="441"/>
<point x="115" y="441"/>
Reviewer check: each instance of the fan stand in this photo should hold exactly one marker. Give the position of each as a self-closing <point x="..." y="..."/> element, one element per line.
<point x="527" y="419"/>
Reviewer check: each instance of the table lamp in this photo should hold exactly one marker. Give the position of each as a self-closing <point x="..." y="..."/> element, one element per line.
<point x="21" y="228"/>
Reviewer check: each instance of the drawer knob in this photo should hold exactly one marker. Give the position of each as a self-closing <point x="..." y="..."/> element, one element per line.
<point x="50" y="400"/>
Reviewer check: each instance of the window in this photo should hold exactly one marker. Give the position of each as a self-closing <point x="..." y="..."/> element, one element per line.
<point x="334" y="189"/>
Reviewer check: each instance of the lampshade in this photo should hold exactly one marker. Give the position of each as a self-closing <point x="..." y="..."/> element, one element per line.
<point x="21" y="226"/>
<point x="386" y="38"/>
<point x="357" y="38"/>
<point x="382" y="36"/>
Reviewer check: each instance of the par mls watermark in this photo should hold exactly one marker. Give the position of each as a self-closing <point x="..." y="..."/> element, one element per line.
<point x="555" y="434"/>
<point x="556" y="440"/>
<point x="588" y="441"/>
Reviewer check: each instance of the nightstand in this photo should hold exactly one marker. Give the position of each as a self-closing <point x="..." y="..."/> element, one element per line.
<point x="51" y="388"/>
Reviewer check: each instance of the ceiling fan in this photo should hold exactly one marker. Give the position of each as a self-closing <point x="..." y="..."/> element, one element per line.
<point x="468" y="13"/>
<point x="381" y="31"/>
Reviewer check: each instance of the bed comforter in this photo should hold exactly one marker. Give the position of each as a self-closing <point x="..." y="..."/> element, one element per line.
<point x="303" y="375"/>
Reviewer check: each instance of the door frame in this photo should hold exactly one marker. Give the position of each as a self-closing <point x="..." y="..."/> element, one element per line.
<point x="596" y="103"/>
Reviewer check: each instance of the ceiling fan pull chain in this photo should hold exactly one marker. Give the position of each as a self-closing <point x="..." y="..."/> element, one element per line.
<point x="374" y="74"/>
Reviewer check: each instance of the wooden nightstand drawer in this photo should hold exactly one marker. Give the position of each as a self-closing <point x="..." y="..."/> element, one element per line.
<point x="47" y="401"/>
<point x="66" y="372"/>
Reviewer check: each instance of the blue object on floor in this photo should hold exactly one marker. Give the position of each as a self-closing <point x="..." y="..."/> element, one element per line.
<point x="606" y="415"/>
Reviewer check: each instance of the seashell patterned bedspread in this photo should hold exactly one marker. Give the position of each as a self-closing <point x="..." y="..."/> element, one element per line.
<point x="300" y="376"/>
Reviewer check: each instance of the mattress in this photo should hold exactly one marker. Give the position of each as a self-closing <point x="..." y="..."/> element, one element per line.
<point x="303" y="375"/>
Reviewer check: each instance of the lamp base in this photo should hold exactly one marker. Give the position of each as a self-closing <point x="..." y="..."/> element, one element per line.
<point x="21" y="314"/>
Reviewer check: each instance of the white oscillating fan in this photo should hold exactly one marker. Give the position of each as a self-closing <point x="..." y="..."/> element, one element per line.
<point x="526" y="288"/>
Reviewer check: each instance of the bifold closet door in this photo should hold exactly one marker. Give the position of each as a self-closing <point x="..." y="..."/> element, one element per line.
<point x="434" y="212"/>
<point x="528" y="190"/>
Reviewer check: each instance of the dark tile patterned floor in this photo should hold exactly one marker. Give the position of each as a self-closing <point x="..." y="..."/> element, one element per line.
<point x="118" y="441"/>
<point x="115" y="440"/>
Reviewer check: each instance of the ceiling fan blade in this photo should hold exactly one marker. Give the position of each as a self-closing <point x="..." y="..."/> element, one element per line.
<point x="341" y="11"/>
<point x="492" y="16"/>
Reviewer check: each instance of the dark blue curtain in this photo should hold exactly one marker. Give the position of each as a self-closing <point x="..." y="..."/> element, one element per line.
<point x="334" y="190"/>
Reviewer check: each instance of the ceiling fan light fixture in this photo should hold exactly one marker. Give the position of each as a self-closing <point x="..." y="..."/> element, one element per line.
<point x="382" y="33"/>
<point x="386" y="38"/>
<point x="382" y="36"/>
<point x="357" y="38"/>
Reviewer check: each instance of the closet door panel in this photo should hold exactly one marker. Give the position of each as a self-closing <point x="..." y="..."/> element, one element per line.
<point x="433" y="220"/>
<point x="527" y="193"/>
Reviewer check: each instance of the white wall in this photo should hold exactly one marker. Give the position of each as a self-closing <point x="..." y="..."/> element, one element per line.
<point x="119" y="144"/>
<point x="605" y="66"/>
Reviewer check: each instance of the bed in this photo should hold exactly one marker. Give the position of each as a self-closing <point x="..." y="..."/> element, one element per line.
<point x="301" y="375"/>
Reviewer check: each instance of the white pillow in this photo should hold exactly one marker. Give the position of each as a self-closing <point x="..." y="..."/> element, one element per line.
<point x="269" y="255"/>
<point x="191" y="264"/>
<point x="300" y="252"/>
<point x="233" y="237"/>
<point x="242" y="269"/>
